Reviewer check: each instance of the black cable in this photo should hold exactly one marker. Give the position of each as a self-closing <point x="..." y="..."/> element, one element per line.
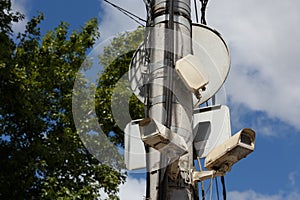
<point x="203" y="21"/>
<point x="203" y="11"/>
<point x="196" y="11"/>
<point x="224" y="187"/>
<point x="148" y="189"/>
<point x="217" y="188"/>
<point x="147" y="56"/>
<point x="127" y="13"/>
<point x="213" y="99"/>
<point x="203" y="193"/>
<point x="169" y="56"/>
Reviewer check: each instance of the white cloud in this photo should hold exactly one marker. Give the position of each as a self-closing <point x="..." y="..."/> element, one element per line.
<point x="265" y="52"/>
<point x="20" y="6"/>
<point x="133" y="189"/>
<point x="293" y="177"/>
<point x="263" y="39"/>
<point x="113" y="21"/>
<point x="252" y="195"/>
<point x="292" y="194"/>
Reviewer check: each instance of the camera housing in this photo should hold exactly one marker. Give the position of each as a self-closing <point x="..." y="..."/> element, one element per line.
<point x="231" y="151"/>
<point x="161" y="138"/>
<point x="192" y="72"/>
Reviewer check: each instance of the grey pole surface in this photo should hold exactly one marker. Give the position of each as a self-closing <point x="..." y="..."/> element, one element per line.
<point x="170" y="40"/>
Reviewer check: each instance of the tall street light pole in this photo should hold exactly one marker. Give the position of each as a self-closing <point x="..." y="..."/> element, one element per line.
<point x="170" y="40"/>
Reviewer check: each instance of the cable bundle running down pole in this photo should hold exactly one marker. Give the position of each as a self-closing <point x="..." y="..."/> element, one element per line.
<point x="203" y="10"/>
<point x="169" y="177"/>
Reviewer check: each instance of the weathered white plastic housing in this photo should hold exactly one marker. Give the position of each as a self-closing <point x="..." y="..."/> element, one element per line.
<point x="192" y="72"/>
<point x="231" y="151"/>
<point x="134" y="149"/>
<point x="162" y="139"/>
<point x="211" y="127"/>
<point x="134" y="155"/>
<point x="211" y="49"/>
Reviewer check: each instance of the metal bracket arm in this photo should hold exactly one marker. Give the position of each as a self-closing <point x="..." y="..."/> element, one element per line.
<point x="204" y="175"/>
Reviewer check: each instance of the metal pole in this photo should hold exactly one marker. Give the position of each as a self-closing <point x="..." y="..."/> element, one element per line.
<point x="170" y="40"/>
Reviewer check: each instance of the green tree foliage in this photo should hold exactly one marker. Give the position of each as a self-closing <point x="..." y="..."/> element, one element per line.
<point x="115" y="60"/>
<point x="41" y="154"/>
<point x="7" y="16"/>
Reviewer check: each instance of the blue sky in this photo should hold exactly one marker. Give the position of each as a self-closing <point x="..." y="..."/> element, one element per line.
<point x="262" y="89"/>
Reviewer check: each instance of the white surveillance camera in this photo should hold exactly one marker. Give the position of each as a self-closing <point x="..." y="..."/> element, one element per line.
<point x="192" y="72"/>
<point x="231" y="151"/>
<point x="161" y="138"/>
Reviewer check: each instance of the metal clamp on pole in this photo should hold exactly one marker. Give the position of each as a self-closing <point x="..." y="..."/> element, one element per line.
<point x="204" y="175"/>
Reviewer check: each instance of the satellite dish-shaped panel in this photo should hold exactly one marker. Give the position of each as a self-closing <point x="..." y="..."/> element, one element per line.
<point x="137" y="73"/>
<point x="211" y="49"/>
<point x="208" y="46"/>
<point x="211" y="127"/>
